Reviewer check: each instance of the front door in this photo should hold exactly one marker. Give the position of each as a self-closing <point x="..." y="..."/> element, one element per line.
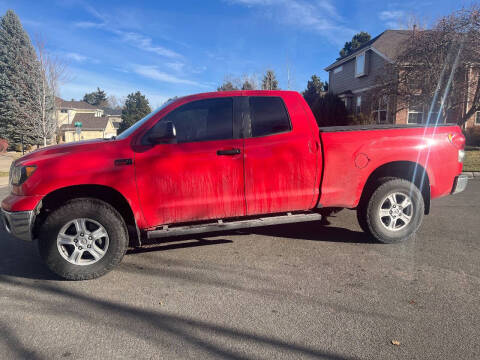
<point x="202" y="175"/>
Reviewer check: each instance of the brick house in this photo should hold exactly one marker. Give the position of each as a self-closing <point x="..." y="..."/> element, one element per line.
<point x="353" y="77"/>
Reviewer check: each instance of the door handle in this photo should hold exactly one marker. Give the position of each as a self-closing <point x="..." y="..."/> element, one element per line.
<point x="229" y="152"/>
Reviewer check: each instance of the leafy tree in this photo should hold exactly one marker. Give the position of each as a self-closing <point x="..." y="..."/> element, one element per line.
<point x="330" y="110"/>
<point x="96" y="98"/>
<point x="315" y="87"/>
<point x="19" y="76"/>
<point x="357" y="41"/>
<point x="136" y="107"/>
<point x="270" y="81"/>
<point x="227" y="86"/>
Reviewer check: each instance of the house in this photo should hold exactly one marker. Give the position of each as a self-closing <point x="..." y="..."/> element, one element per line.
<point x="94" y="122"/>
<point x="353" y="77"/>
<point x="115" y="115"/>
<point x="66" y="110"/>
<point x="93" y="127"/>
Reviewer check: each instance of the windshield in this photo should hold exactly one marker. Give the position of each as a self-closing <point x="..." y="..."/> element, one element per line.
<point x="140" y="122"/>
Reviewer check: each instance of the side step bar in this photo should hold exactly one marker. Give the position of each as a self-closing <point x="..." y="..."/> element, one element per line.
<point x="221" y="225"/>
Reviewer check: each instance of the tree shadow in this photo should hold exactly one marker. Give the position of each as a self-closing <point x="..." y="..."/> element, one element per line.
<point x="159" y="327"/>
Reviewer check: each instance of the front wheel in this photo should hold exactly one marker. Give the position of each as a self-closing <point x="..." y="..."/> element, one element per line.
<point x="394" y="211"/>
<point x="83" y="239"/>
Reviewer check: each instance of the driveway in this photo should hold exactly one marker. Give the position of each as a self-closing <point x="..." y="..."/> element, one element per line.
<point x="283" y="292"/>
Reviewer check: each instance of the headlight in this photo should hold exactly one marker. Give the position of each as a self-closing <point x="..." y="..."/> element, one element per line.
<point x="19" y="174"/>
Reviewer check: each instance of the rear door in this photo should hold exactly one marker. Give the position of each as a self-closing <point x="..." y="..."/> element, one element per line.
<point x="280" y="156"/>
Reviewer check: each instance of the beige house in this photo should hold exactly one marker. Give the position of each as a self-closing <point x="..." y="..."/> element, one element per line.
<point x="93" y="127"/>
<point x="94" y="122"/>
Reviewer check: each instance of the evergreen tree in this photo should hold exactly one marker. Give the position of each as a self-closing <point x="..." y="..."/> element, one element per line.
<point x="315" y="87"/>
<point x="357" y="41"/>
<point x="19" y="76"/>
<point x="270" y="81"/>
<point x="96" y="98"/>
<point x="227" y="86"/>
<point x="136" y="107"/>
<point x="247" y="85"/>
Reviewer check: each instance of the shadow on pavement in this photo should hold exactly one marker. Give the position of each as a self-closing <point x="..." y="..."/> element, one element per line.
<point x="158" y="327"/>
<point x="21" y="259"/>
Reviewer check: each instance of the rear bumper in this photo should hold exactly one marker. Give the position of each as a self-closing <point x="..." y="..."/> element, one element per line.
<point x="19" y="223"/>
<point x="460" y="184"/>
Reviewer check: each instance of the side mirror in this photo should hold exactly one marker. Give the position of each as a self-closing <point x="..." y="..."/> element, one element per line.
<point x="162" y="133"/>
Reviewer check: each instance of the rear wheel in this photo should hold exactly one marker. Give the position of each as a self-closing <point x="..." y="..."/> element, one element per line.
<point x="393" y="212"/>
<point x="83" y="239"/>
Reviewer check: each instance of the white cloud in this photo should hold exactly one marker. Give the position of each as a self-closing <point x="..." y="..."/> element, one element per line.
<point x="88" y="24"/>
<point x="145" y="43"/>
<point x="320" y="16"/>
<point x="176" y="66"/>
<point x="140" y="41"/>
<point x="154" y="73"/>
<point x="392" y="18"/>
<point x="391" y="14"/>
<point x="75" y="56"/>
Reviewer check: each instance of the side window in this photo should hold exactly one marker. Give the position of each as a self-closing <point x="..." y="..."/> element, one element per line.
<point x="203" y="120"/>
<point x="268" y="115"/>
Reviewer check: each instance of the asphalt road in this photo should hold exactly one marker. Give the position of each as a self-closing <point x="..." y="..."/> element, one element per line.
<point x="283" y="292"/>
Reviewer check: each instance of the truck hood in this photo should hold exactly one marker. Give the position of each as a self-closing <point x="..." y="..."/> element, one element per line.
<point x="63" y="149"/>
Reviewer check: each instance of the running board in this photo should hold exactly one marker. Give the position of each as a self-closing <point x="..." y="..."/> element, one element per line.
<point x="221" y="225"/>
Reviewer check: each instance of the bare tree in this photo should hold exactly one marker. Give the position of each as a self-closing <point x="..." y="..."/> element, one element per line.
<point x="438" y="68"/>
<point x="52" y="73"/>
<point x="114" y="103"/>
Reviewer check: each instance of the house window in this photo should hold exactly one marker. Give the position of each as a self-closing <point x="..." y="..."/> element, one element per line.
<point x="415" y="114"/>
<point x="360" y="65"/>
<point x="434" y="114"/>
<point x="338" y="69"/>
<point x="359" y="104"/>
<point x="477" y="118"/>
<point x="380" y="114"/>
<point x="64" y="111"/>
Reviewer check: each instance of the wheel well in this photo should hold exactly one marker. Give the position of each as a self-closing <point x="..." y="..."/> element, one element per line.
<point x="60" y="196"/>
<point x="404" y="170"/>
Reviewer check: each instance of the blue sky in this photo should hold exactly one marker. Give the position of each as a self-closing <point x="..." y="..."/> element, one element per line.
<point x="167" y="48"/>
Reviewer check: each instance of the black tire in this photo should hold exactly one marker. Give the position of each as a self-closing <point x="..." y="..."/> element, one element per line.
<point x="96" y="210"/>
<point x="368" y="211"/>
<point x="363" y="205"/>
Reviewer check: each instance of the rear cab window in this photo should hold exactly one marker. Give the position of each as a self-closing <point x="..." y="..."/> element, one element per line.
<point x="268" y="116"/>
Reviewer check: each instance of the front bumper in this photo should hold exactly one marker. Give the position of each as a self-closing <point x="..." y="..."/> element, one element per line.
<point x="19" y="223"/>
<point x="459" y="184"/>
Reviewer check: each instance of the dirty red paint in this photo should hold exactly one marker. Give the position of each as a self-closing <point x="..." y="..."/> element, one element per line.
<point x="171" y="183"/>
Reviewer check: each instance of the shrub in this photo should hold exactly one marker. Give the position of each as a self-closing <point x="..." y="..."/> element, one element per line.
<point x="330" y="110"/>
<point x="3" y="145"/>
<point x="473" y="136"/>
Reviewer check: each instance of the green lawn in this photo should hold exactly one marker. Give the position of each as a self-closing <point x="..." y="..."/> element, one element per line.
<point x="472" y="160"/>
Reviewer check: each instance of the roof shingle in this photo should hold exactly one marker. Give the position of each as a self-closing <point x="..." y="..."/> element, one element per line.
<point x="89" y="122"/>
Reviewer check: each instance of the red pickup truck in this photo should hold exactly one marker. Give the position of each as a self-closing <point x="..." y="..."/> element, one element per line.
<point x="224" y="160"/>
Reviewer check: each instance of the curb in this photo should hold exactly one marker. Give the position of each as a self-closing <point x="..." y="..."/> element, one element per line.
<point x="472" y="174"/>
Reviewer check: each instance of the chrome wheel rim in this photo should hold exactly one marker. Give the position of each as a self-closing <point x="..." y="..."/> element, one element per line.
<point x="82" y="241"/>
<point x="396" y="211"/>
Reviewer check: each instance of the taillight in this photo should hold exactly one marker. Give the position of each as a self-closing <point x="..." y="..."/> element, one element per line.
<point x="457" y="140"/>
